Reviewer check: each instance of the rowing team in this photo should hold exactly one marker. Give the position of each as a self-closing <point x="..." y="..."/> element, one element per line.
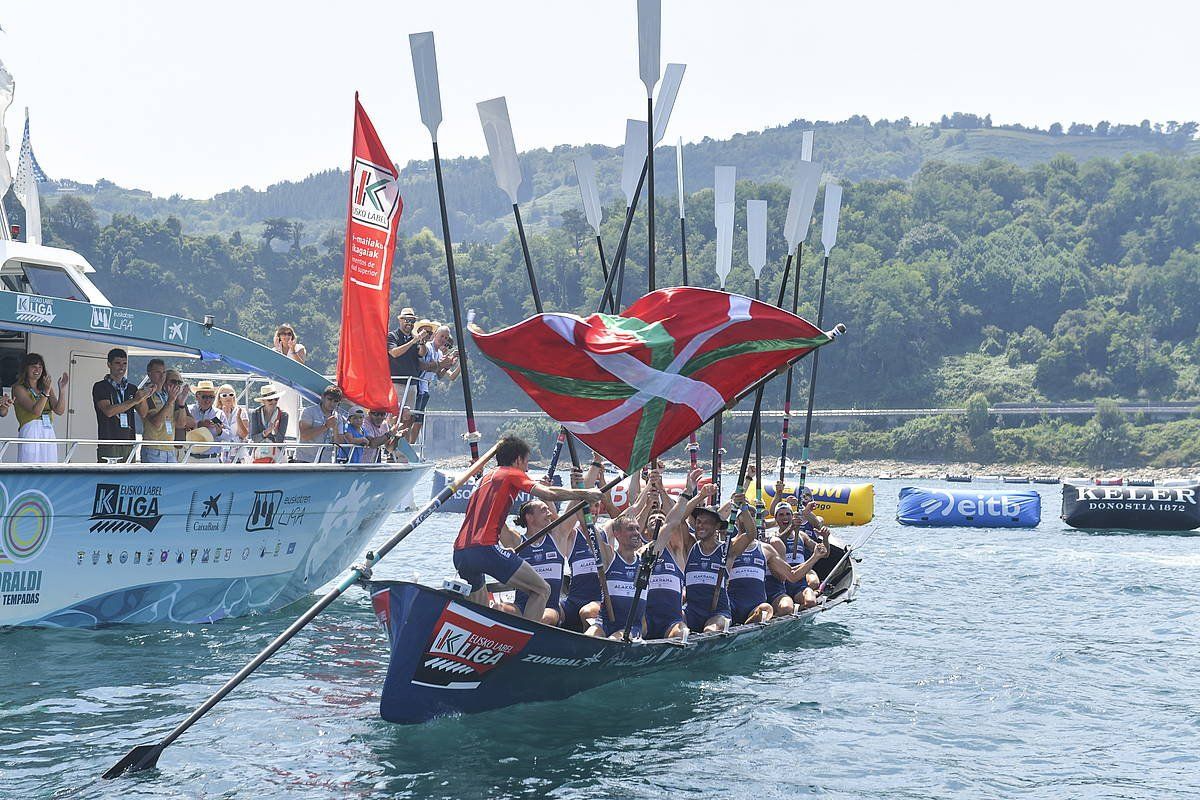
<point x="708" y="570"/>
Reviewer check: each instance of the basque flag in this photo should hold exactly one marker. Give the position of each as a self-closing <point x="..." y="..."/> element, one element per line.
<point x="633" y="386"/>
<point x="371" y="221"/>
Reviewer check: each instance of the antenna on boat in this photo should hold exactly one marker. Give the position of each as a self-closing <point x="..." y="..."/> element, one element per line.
<point x="429" y="98"/>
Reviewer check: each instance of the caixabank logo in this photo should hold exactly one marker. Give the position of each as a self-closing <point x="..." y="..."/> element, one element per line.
<point x="465" y="647"/>
<point x="376" y="197"/>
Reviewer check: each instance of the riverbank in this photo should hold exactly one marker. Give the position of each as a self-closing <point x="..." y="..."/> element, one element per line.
<point x="875" y="469"/>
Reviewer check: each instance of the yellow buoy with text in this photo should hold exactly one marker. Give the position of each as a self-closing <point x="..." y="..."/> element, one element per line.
<point x="837" y="503"/>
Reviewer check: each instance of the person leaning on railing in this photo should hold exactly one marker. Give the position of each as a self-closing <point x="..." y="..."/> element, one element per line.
<point x="161" y="413"/>
<point x="115" y="399"/>
<point x="321" y="425"/>
<point x="35" y="399"/>
<point x="235" y="425"/>
<point x="268" y="423"/>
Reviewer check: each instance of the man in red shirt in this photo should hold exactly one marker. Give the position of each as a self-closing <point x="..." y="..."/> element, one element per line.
<point x="477" y="550"/>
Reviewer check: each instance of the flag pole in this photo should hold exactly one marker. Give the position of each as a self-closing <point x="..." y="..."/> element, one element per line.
<point x="429" y="98"/>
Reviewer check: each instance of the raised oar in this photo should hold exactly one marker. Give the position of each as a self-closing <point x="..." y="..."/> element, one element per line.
<point x="536" y="536"/>
<point x="723" y="196"/>
<point x="145" y="756"/>
<point x="429" y="97"/>
<point x="649" y="556"/>
<point x="497" y="130"/>
<point x="633" y="155"/>
<point x="805" y="181"/>
<point x="693" y="446"/>
<point x="593" y="211"/>
<point x="649" y="47"/>
<point x="756" y="250"/>
<point x="829" y="223"/>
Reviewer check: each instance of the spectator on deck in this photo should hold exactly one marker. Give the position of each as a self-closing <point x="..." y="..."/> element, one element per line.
<point x="286" y="343"/>
<point x="235" y="424"/>
<point x="380" y="436"/>
<point x="354" y="437"/>
<point x="321" y="424"/>
<point x="204" y="413"/>
<point x="115" y="399"/>
<point x="35" y="399"/>
<point x="268" y="423"/>
<point x="161" y="413"/>
<point x="405" y="349"/>
<point x="438" y="362"/>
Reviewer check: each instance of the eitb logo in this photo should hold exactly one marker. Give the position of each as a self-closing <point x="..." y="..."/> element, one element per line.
<point x="375" y="199"/>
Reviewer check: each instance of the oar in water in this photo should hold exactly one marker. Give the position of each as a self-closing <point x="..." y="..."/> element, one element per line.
<point x="145" y="756"/>
<point x="429" y="97"/>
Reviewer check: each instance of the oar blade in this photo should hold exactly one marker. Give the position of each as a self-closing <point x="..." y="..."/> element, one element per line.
<point x="724" y="185"/>
<point x="585" y="172"/>
<point x="497" y="131"/>
<point x="634" y="157"/>
<point x="829" y="218"/>
<point x="429" y="93"/>
<point x="666" y="99"/>
<point x="756" y="235"/>
<point x="649" y="42"/>
<point x="139" y="759"/>
<point x="805" y="180"/>
<point x="806" y="145"/>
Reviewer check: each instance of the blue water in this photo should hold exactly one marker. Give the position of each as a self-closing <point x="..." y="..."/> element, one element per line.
<point x="975" y="663"/>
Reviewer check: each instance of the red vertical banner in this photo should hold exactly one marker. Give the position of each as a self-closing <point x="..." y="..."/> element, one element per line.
<point x="371" y="222"/>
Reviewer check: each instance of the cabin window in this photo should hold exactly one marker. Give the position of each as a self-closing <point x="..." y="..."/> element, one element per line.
<point x="52" y="282"/>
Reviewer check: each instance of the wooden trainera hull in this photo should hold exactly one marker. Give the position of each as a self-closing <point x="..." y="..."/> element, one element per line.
<point x="451" y="656"/>
<point x="146" y="543"/>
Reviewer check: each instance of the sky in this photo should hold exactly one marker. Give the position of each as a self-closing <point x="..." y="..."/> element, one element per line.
<point x="195" y="99"/>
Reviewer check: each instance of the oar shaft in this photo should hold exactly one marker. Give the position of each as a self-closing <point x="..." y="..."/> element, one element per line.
<point x="351" y="577"/>
<point x="537" y="297"/>
<point x="607" y="295"/>
<point x="787" y="394"/>
<point x="650" y="190"/>
<point x="619" y="297"/>
<point x="812" y="381"/>
<point x="619" y="258"/>
<point x="683" y="247"/>
<point x="460" y="341"/>
<point x="643" y="577"/>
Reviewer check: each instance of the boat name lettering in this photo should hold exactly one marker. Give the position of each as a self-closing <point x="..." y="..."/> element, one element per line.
<point x="31" y="308"/>
<point x="20" y="587"/>
<point x="1127" y="505"/>
<point x="465" y="646"/>
<point x="1156" y="493"/>
<point x="119" y="508"/>
<point x="552" y="661"/>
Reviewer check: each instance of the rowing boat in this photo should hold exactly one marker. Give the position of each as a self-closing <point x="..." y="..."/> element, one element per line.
<point x="451" y="656"/>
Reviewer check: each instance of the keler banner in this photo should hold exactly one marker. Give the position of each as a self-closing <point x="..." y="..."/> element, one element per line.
<point x="371" y="223"/>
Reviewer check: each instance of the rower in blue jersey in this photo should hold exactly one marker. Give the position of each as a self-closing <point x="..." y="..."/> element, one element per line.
<point x="796" y="536"/>
<point x="621" y="566"/>
<point x="702" y="574"/>
<point x="664" y="595"/>
<point x="546" y="556"/>
<point x="751" y="563"/>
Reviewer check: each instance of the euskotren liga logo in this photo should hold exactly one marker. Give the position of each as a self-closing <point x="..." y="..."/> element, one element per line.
<point x="376" y="197"/>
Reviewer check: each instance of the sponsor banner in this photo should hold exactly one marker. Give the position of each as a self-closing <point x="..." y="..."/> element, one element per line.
<point x="125" y="508"/>
<point x="20" y="587"/>
<point x="465" y="647"/>
<point x="1014" y="508"/>
<point x="1132" y="508"/>
<point x="26" y="526"/>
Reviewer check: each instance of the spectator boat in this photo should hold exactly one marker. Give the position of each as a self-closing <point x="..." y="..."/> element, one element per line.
<point x="451" y="656"/>
<point x="86" y="544"/>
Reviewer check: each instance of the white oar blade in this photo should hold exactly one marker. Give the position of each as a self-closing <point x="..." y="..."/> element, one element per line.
<point x="724" y="221"/>
<point x="829" y="218"/>
<point x="756" y="235"/>
<point x="429" y="93"/>
<point x="666" y="99"/>
<point x="724" y="185"/>
<point x="679" y="175"/>
<point x="585" y="171"/>
<point x="806" y="144"/>
<point x="649" y="42"/>
<point x="634" y="157"/>
<point x="805" y="180"/>
<point x="497" y="130"/>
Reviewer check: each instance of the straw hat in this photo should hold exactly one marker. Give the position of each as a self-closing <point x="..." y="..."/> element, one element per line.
<point x="425" y="323"/>
<point x="407" y="313"/>
<point x="205" y="387"/>
<point x="269" y="392"/>
<point x="200" y="434"/>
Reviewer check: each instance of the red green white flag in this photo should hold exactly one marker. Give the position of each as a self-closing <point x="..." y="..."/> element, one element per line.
<point x="633" y="386"/>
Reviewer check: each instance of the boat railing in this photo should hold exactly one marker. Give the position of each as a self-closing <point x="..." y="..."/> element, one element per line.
<point x="188" y="452"/>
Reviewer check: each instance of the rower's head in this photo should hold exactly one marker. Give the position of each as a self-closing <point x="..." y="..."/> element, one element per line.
<point x="533" y="515"/>
<point x="628" y="531"/>
<point x="513" y="452"/>
<point x="705" y="522"/>
<point x="783" y="515"/>
<point x="118" y="364"/>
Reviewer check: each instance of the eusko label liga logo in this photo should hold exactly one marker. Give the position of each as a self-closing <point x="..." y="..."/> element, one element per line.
<point x="376" y="197"/>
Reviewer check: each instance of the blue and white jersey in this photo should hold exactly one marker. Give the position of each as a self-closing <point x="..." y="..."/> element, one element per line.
<point x="747" y="582"/>
<point x="664" y="595"/>
<point x="621" y="577"/>
<point x="700" y="578"/>
<point x="548" y="562"/>
<point x="585" y="585"/>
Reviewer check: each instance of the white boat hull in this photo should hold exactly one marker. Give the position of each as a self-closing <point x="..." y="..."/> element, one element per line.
<point x="87" y="545"/>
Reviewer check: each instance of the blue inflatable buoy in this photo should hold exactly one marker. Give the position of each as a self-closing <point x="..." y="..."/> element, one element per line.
<point x="1012" y="508"/>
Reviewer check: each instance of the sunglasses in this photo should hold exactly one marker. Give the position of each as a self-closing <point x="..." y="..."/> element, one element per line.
<point x="175" y="383"/>
<point x="226" y="394"/>
<point x="376" y="413"/>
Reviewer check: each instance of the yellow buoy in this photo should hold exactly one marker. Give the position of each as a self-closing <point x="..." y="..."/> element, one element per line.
<point x="837" y="503"/>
